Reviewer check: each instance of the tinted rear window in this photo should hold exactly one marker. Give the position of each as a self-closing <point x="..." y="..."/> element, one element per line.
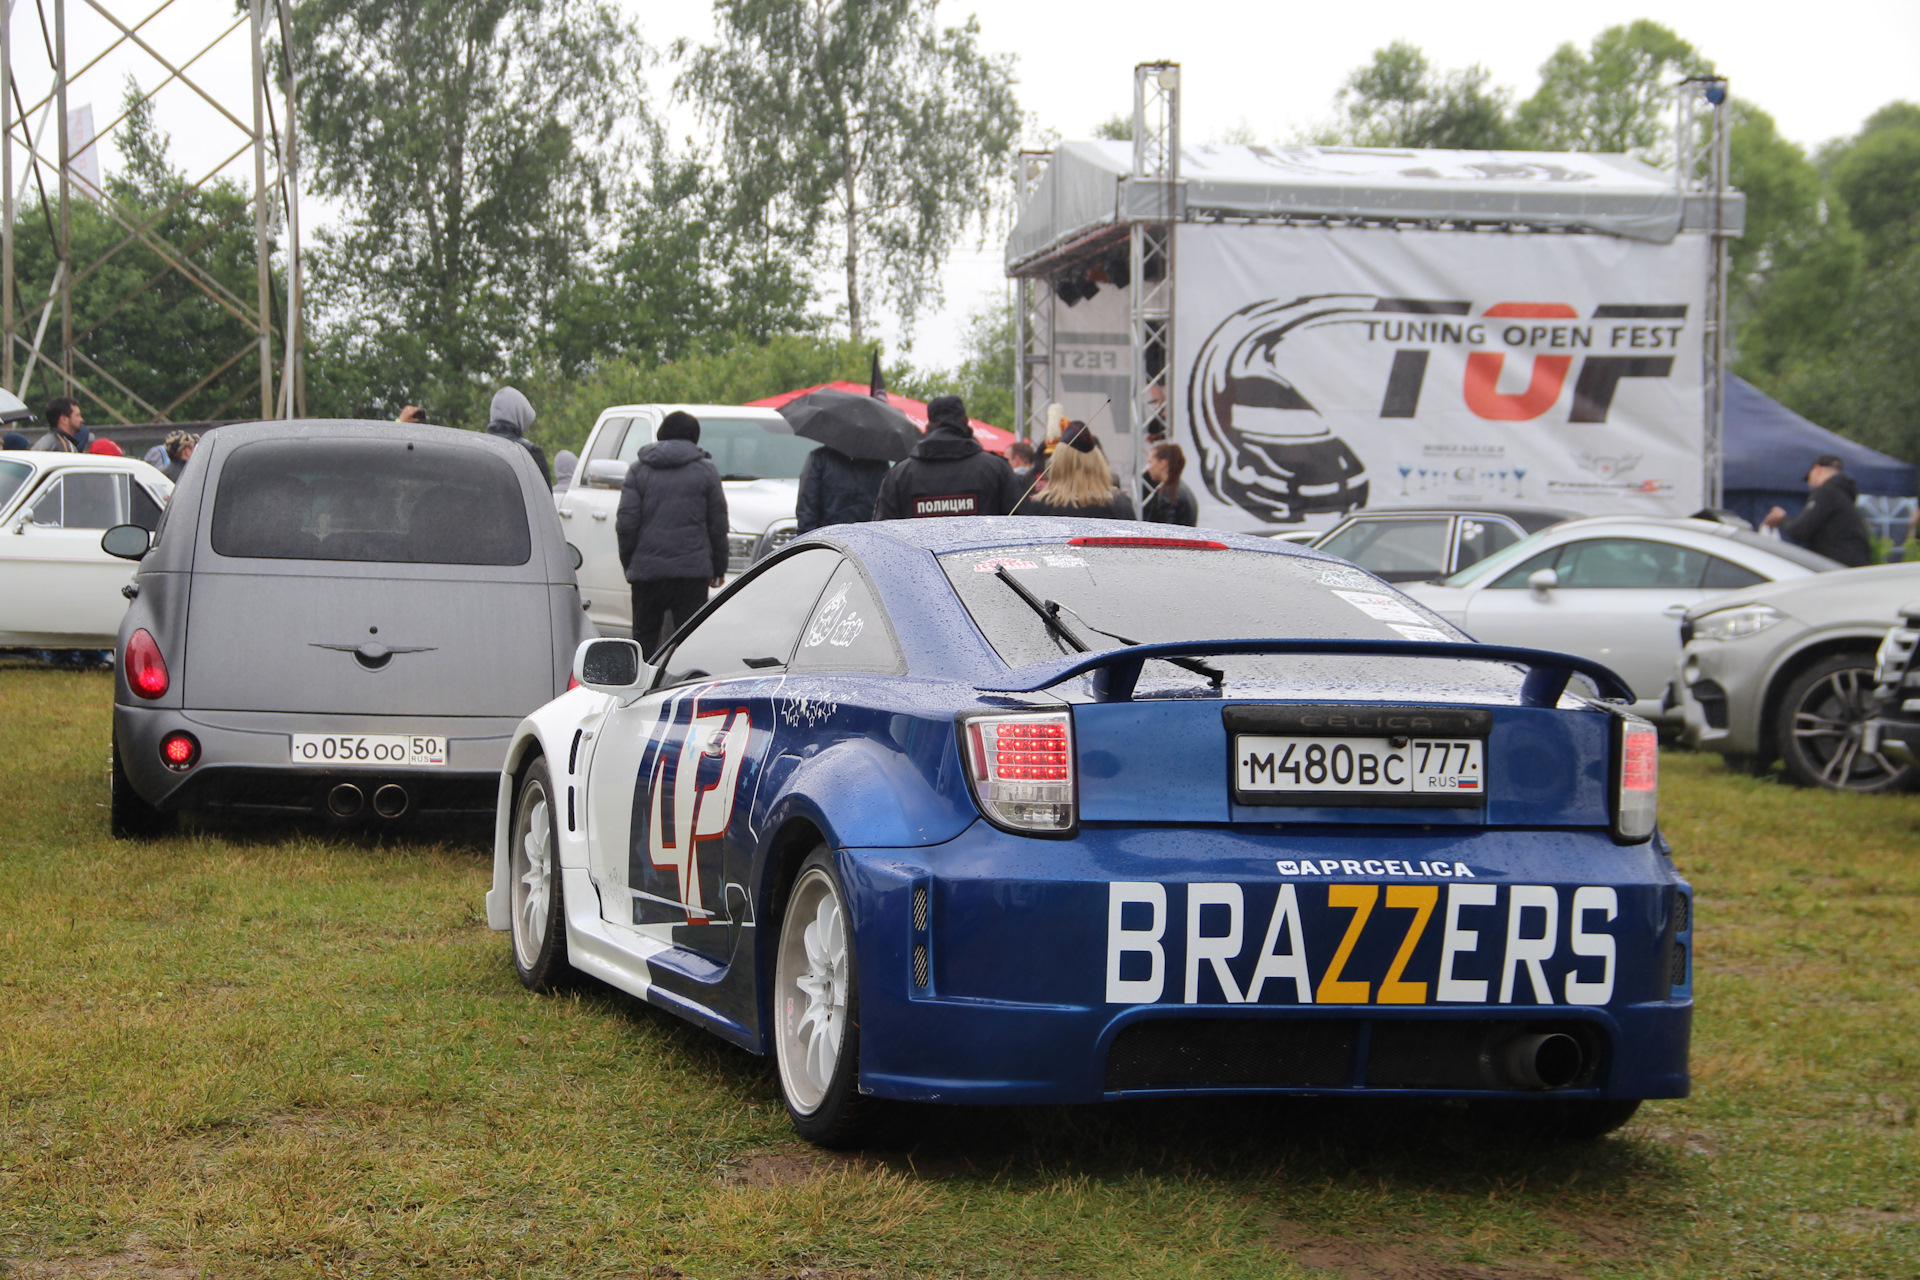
<point x="388" y="502"/>
<point x="1114" y="595"/>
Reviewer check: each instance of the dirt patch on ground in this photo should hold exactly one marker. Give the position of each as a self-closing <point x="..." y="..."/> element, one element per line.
<point x="135" y="1262"/>
<point x="1605" y="1235"/>
<point x="784" y="1169"/>
<point x="1378" y="1256"/>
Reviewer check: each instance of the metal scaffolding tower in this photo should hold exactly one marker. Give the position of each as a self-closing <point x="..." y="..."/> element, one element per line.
<point x="1157" y="206"/>
<point x="1700" y="165"/>
<point x="1033" y="308"/>
<point x="257" y="109"/>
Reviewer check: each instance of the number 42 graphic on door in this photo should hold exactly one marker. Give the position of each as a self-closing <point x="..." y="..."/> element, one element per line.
<point x="715" y="743"/>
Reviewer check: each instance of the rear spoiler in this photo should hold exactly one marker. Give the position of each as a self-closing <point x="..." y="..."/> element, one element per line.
<point x="1117" y="671"/>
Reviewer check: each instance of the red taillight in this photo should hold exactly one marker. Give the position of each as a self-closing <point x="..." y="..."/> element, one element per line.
<point x="146" y="669"/>
<point x="1191" y="544"/>
<point x="179" y="751"/>
<point x="1636" y="807"/>
<point x="1021" y="767"/>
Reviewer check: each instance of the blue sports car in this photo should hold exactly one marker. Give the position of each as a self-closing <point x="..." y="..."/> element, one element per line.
<point x="1046" y="811"/>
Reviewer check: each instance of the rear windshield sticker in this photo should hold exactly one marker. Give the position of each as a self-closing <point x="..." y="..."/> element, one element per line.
<point x="1420" y="633"/>
<point x="1002" y="562"/>
<point x="1064" y="562"/>
<point x="1383" y="608"/>
<point x="1351" y="579"/>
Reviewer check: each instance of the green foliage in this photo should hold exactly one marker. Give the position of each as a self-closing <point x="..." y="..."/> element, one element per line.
<point x="1616" y="96"/>
<point x="1117" y="127"/>
<point x="146" y="325"/>
<point x="465" y="137"/>
<point x="1879" y="178"/>
<point x="860" y="132"/>
<point x="985" y="376"/>
<point x="745" y="370"/>
<point x="1400" y="100"/>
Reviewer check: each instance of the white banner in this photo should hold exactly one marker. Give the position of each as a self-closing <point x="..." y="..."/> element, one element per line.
<point x="1319" y="370"/>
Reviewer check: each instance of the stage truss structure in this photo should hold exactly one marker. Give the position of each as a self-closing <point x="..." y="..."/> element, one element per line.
<point x="1701" y="165"/>
<point x="257" y="117"/>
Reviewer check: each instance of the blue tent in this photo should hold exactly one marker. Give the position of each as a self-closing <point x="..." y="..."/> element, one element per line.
<point x="1769" y="448"/>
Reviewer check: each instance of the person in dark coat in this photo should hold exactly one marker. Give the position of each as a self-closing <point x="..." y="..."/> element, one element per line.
<point x="1170" y="502"/>
<point x="1079" y="482"/>
<point x="836" y="489"/>
<point x="66" y="428"/>
<point x="948" y="473"/>
<point x="672" y="531"/>
<point x="510" y="418"/>
<point x="1830" y="524"/>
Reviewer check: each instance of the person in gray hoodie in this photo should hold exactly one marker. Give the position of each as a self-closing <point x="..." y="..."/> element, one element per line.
<point x="672" y="530"/>
<point x="511" y="417"/>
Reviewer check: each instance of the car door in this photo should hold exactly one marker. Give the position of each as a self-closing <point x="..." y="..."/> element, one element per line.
<point x="54" y="578"/>
<point x="1618" y="601"/>
<point x="673" y="776"/>
<point x="587" y="513"/>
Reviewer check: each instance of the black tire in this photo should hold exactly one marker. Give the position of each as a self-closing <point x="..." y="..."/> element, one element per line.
<point x="536" y="901"/>
<point x="1554" y="1119"/>
<point x="1819" y="726"/>
<point x="827" y="1112"/>
<point x="131" y="817"/>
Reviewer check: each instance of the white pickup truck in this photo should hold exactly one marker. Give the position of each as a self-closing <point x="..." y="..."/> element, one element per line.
<point x="759" y="460"/>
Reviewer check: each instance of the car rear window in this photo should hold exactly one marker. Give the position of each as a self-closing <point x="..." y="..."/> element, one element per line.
<point x="383" y="501"/>
<point x="1112" y="596"/>
<point x="742" y="448"/>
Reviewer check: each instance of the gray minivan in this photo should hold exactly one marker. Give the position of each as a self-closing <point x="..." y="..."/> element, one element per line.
<point x="345" y="618"/>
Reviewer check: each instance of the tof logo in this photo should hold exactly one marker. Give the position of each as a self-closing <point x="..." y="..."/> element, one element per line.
<point x="1257" y="385"/>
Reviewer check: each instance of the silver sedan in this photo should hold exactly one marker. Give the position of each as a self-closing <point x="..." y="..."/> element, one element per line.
<point x="1613" y="588"/>
<point x="1786" y="672"/>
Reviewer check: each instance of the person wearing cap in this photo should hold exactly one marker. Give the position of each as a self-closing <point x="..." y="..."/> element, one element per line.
<point x="1830" y="524"/>
<point x="1079" y="482"/>
<point x="672" y="531"/>
<point x="948" y="473"/>
<point x="15" y="440"/>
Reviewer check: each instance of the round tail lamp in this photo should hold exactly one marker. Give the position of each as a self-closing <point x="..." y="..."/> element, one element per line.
<point x="180" y="751"/>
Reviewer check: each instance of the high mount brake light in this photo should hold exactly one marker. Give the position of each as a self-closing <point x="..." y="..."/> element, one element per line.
<point x="1191" y="544"/>
<point x="1637" y="802"/>
<point x="1021" y="769"/>
<point x="146" y="669"/>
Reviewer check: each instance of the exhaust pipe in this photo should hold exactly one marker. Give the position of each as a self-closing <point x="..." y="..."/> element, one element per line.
<point x="345" y="801"/>
<point x="1552" y="1060"/>
<point x="390" y="801"/>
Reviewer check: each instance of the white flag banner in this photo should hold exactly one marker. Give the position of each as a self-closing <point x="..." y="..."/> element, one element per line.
<point x="1320" y="370"/>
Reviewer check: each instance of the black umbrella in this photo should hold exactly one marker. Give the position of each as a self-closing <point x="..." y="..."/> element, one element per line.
<point x="858" y="426"/>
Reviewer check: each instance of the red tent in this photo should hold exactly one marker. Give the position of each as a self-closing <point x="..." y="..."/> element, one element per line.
<point x="991" y="438"/>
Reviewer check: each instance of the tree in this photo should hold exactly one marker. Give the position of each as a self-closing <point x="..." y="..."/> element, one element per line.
<point x="1115" y="128"/>
<point x="465" y="137"/>
<point x="988" y="364"/>
<point x="1879" y="178"/>
<point x="153" y="331"/>
<point x="1400" y="100"/>
<point x="1618" y="96"/>
<point x="859" y="129"/>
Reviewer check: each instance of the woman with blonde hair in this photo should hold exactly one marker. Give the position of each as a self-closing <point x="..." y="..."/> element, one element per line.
<point x="1079" y="482"/>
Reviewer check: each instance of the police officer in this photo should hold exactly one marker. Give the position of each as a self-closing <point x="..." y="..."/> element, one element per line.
<point x="948" y="473"/>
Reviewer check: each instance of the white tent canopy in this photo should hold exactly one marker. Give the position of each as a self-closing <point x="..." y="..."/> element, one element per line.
<point x="1088" y="187"/>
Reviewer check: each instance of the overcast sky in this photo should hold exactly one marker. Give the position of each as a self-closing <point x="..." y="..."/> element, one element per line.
<point x="1270" y="67"/>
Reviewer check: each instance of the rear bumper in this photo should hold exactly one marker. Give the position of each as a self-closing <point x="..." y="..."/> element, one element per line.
<point x="246" y="760"/>
<point x="1025" y="977"/>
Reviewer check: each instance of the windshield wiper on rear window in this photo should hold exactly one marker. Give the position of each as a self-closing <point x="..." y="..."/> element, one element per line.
<point x="1049" y="613"/>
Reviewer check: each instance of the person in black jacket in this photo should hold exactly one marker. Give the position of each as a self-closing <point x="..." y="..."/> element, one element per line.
<point x="1170" y="502"/>
<point x="1079" y="482"/>
<point x="672" y="531"/>
<point x="836" y="489"/>
<point x="1830" y="524"/>
<point x="948" y="473"/>
<point x="510" y="418"/>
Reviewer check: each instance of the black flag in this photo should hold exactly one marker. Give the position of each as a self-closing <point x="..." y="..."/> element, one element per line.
<point x="877" y="388"/>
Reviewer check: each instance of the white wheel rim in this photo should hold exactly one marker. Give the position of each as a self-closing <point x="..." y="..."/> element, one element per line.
<point x="810" y="991"/>
<point x="532" y="868"/>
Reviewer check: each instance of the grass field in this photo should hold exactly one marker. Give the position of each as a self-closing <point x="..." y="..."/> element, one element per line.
<point x="289" y="1053"/>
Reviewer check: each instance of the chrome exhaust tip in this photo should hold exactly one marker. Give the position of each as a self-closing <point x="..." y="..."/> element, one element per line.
<point x="390" y="801"/>
<point x="345" y="801"/>
<point x="1550" y="1060"/>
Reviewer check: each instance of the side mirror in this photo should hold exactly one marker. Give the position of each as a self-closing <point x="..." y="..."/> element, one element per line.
<point x="613" y="667"/>
<point x="606" y="473"/>
<point x="573" y="556"/>
<point x="1543" y="581"/>
<point x="127" y="541"/>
